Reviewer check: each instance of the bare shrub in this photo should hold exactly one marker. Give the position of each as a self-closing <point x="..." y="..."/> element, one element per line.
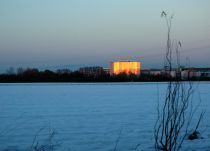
<point x="176" y="113"/>
<point x="48" y="144"/>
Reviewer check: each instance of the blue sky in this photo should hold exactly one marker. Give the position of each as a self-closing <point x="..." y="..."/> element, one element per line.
<point x="73" y="33"/>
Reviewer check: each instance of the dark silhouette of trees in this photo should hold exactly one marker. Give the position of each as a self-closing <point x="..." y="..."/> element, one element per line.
<point x="66" y="75"/>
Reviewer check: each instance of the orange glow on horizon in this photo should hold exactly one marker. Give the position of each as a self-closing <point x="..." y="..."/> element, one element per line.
<point x="128" y="67"/>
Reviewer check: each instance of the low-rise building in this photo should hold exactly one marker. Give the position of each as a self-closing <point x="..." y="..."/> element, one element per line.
<point x="91" y="71"/>
<point x="195" y="73"/>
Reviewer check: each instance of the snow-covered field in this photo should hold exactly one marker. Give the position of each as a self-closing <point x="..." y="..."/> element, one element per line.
<point x="89" y="117"/>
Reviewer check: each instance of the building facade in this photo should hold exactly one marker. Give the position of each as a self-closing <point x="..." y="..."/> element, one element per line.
<point x="195" y="73"/>
<point x="127" y="67"/>
<point x="91" y="71"/>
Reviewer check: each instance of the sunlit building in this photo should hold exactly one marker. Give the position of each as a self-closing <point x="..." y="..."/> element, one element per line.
<point x="128" y="67"/>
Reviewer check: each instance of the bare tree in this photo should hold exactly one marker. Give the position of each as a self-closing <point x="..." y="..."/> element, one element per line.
<point x="176" y="112"/>
<point x="11" y="71"/>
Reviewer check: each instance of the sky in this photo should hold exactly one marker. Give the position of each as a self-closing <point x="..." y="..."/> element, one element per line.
<point x="49" y="34"/>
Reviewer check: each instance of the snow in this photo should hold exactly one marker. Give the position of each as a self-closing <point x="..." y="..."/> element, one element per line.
<point x="89" y="116"/>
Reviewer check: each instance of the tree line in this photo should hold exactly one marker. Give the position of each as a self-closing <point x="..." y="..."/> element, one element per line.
<point x="66" y="75"/>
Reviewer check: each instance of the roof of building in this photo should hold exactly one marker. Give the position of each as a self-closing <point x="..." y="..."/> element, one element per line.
<point x="197" y="69"/>
<point x="125" y="61"/>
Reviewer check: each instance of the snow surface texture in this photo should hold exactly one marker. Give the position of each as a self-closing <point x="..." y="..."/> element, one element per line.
<point x="88" y="117"/>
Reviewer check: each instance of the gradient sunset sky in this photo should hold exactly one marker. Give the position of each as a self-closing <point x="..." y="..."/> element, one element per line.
<point x="73" y="33"/>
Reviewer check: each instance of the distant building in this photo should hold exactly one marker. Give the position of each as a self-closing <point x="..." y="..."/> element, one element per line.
<point x="195" y="73"/>
<point x="128" y="67"/>
<point x="160" y="72"/>
<point x="183" y="73"/>
<point x="155" y="72"/>
<point x="106" y="70"/>
<point x="91" y="71"/>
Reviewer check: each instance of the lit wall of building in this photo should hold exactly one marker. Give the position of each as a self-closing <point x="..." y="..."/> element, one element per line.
<point x="128" y="67"/>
